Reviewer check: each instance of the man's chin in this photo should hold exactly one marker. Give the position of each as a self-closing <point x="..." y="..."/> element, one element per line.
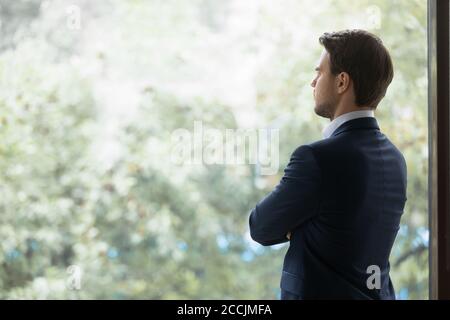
<point x="321" y="113"/>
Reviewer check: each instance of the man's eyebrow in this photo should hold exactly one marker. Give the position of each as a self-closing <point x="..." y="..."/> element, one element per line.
<point x="317" y="69"/>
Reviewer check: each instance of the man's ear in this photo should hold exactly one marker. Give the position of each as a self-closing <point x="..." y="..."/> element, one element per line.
<point x="342" y="82"/>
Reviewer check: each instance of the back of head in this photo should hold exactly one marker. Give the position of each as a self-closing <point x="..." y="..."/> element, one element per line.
<point x="364" y="57"/>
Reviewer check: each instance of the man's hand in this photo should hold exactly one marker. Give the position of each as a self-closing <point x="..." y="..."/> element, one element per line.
<point x="288" y="235"/>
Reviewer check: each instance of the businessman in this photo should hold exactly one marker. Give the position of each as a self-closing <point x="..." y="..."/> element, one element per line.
<point x="340" y="200"/>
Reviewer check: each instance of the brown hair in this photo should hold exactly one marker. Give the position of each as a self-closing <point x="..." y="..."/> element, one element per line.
<point x="363" y="56"/>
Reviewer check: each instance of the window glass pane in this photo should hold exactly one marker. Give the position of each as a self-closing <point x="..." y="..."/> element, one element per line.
<point x="97" y="199"/>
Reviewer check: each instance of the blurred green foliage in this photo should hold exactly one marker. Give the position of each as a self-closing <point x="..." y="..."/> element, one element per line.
<point x="86" y="117"/>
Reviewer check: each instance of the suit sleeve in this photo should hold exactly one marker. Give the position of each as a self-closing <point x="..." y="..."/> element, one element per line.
<point x="293" y="201"/>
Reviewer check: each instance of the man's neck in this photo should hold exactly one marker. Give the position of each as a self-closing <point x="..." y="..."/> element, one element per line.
<point x="344" y="110"/>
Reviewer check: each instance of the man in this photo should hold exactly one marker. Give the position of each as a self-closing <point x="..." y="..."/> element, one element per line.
<point x="341" y="198"/>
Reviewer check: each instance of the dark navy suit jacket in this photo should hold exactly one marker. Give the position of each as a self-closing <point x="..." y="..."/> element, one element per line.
<point x="341" y="198"/>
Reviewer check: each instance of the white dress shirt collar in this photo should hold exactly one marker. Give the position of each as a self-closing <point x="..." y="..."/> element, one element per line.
<point x="337" y="122"/>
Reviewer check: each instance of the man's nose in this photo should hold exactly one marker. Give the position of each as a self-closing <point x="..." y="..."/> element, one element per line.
<point x="313" y="83"/>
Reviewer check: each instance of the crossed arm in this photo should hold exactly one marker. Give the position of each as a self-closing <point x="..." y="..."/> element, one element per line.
<point x="293" y="201"/>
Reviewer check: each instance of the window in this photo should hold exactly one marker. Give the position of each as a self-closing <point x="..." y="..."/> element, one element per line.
<point x="91" y="201"/>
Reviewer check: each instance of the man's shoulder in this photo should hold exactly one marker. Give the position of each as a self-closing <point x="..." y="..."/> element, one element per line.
<point x="337" y="142"/>
<point x="348" y="144"/>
